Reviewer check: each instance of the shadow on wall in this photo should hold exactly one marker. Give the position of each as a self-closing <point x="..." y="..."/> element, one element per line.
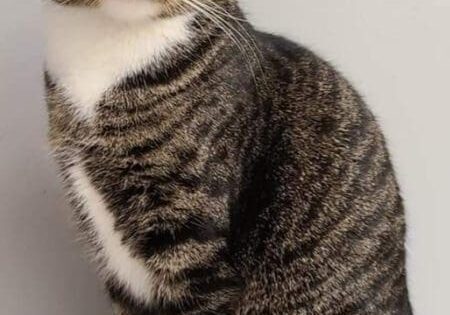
<point x="41" y="272"/>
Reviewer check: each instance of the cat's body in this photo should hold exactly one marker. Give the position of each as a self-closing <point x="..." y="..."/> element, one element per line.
<point x="208" y="180"/>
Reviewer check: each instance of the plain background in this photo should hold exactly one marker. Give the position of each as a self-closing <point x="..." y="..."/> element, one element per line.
<point x="396" y="52"/>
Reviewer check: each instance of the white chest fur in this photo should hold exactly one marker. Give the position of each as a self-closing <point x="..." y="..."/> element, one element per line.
<point x="89" y="52"/>
<point x="128" y="270"/>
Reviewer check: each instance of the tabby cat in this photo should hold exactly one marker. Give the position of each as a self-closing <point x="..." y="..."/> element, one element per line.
<point x="214" y="169"/>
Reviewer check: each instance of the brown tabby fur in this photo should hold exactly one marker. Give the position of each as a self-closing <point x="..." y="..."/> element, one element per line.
<point x="265" y="181"/>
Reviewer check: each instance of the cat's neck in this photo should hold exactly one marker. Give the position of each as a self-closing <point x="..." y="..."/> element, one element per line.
<point x="89" y="53"/>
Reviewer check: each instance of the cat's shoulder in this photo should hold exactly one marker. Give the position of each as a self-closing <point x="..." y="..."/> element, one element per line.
<point x="310" y="92"/>
<point x="301" y="68"/>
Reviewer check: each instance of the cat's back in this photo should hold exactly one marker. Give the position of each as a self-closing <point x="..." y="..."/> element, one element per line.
<point x="328" y="159"/>
<point x="311" y="98"/>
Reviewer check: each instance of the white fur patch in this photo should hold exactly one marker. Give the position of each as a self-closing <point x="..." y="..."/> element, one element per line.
<point x="88" y="51"/>
<point x="128" y="270"/>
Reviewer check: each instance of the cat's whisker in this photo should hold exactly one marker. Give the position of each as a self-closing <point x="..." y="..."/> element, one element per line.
<point x="248" y="40"/>
<point x="241" y="42"/>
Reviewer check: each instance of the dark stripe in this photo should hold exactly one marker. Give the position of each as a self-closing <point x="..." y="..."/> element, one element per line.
<point x="311" y="295"/>
<point x="392" y="260"/>
<point x="184" y="119"/>
<point x="196" y="229"/>
<point x="213" y="284"/>
<point x="188" y="58"/>
<point x="369" y="223"/>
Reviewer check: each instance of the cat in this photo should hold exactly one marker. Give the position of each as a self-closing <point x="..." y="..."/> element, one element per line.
<point x="215" y="169"/>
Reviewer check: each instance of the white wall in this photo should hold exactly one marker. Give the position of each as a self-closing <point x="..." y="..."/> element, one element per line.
<point x="41" y="272"/>
<point x="397" y="53"/>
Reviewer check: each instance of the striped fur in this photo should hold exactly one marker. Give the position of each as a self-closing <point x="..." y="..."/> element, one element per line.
<point x="228" y="179"/>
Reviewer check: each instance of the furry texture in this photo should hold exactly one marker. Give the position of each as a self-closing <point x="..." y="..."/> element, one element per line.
<point x="89" y="52"/>
<point x="219" y="174"/>
<point x="118" y="259"/>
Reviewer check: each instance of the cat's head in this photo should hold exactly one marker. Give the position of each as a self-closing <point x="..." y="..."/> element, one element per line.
<point x="141" y="9"/>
